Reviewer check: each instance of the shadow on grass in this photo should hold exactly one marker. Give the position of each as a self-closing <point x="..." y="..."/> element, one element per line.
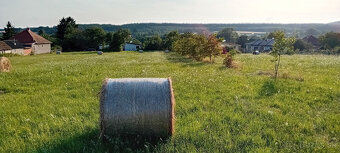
<point x="3" y="91"/>
<point x="174" y="58"/>
<point x="90" y="142"/>
<point x="81" y="52"/>
<point x="268" y="88"/>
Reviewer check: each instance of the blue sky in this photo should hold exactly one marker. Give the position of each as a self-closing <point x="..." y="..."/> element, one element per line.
<point x="24" y="13"/>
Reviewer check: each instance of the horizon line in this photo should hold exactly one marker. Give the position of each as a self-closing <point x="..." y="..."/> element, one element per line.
<point x="21" y="27"/>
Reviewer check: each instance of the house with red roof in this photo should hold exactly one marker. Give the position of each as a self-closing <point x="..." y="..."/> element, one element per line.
<point x="33" y="41"/>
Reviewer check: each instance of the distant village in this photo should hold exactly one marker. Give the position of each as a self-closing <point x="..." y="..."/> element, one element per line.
<point x="27" y="42"/>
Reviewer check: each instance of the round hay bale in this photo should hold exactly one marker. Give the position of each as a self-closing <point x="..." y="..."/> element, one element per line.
<point x="100" y="53"/>
<point x="5" y="64"/>
<point x="140" y="51"/>
<point x="58" y="52"/>
<point x="137" y="106"/>
<point x="166" y="51"/>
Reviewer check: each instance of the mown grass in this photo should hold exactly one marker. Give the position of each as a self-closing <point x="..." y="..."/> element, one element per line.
<point x="49" y="103"/>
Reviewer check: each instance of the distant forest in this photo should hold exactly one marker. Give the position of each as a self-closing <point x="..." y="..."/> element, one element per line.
<point x="149" y="29"/>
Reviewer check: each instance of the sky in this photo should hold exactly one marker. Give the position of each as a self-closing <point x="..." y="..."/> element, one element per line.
<point x="32" y="13"/>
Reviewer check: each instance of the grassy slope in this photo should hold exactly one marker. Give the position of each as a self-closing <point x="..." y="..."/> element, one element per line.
<point x="50" y="103"/>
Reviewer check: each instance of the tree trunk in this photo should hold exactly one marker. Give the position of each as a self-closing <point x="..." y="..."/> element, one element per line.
<point x="277" y="67"/>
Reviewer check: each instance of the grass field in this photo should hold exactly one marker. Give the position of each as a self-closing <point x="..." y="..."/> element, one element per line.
<point x="49" y="103"/>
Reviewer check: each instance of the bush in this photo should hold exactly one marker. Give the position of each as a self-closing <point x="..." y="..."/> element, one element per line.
<point x="337" y="50"/>
<point x="290" y="52"/>
<point x="228" y="60"/>
<point x="153" y="43"/>
<point x="55" y="48"/>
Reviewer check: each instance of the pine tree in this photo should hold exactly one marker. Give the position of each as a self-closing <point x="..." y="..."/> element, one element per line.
<point x="9" y="31"/>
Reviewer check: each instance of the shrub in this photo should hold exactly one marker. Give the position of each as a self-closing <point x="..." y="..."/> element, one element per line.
<point x="337" y="50"/>
<point x="153" y="43"/>
<point x="55" y="48"/>
<point x="229" y="59"/>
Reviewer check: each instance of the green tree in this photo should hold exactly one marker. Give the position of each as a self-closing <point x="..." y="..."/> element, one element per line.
<point x="74" y="40"/>
<point x="65" y="26"/>
<point x="228" y="34"/>
<point x="108" y="37"/>
<point x="190" y="45"/>
<point x="94" y="37"/>
<point x="281" y="46"/>
<point x="119" y="38"/>
<point x="301" y="45"/>
<point x="197" y="46"/>
<point x="170" y="38"/>
<point x="153" y="43"/>
<point x="330" y="40"/>
<point x="212" y="47"/>
<point x="9" y="31"/>
<point x="41" y="32"/>
<point x="242" y="40"/>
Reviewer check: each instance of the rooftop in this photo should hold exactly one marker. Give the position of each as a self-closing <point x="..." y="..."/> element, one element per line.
<point x="267" y="42"/>
<point x="14" y="44"/>
<point x="4" y="46"/>
<point x="29" y="37"/>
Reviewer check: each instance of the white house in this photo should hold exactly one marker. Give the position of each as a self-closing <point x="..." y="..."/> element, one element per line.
<point x="131" y="47"/>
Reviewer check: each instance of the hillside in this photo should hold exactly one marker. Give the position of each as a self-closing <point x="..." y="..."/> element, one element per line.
<point x="49" y="103"/>
<point x="337" y="22"/>
<point x="162" y="28"/>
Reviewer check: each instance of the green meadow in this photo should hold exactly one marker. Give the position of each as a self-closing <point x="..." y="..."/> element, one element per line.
<point x="50" y="103"/>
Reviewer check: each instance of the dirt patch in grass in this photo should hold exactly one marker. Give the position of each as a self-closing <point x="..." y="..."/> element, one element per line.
<point x="286" y="75"/>
<point x="283" y="75"/>
<point x="267" y="73"/>
<point x="3" y="91"/>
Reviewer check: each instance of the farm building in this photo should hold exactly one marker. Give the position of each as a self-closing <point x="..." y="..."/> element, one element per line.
<point x="13" y="47"/>
<point x="260" y="45"/>
<point x="36" y="43"/>
<point x="4" y="47"/>
<point x="17" y="48"/>
<point x="131" y="47"/>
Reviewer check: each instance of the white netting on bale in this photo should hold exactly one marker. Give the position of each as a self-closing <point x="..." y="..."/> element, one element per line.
<point x="5" y="64"/>
<point x="143" y="106"/>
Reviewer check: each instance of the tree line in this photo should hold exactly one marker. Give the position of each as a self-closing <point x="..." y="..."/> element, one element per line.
<point x="71" y="37"/>
<point x="164" y="28"/>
